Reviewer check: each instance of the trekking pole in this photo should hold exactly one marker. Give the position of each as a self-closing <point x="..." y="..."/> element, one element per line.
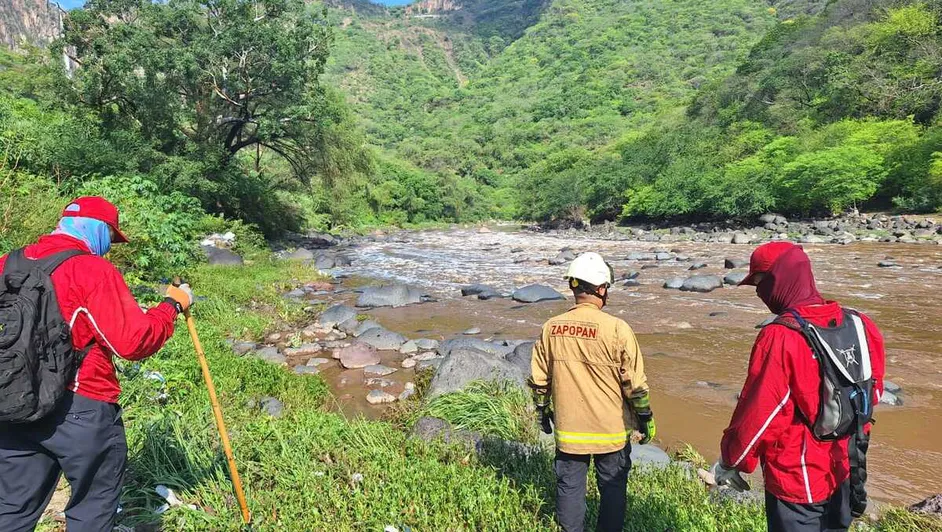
<point x="217" y="412"/>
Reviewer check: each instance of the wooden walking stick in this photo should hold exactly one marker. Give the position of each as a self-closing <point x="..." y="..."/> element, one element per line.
<point x="217" y="412"/>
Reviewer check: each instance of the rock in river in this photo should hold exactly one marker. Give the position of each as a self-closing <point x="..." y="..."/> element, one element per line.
<point x="366" y="326"/>
<point x="702" y="283"/>
<point x="336" y="315"/>
<point x="732" y="264"/>
<point x="465" y="365"/>
<point x="379" y="397"/>
<point x="358" y="356"/>
<point x="674" y="283"/>
<point x="492" y="348"/>
<point x="382" y="339"/>
<point x="649" y="456"/>
<point x="734" y="278"/>
<point x="378" y="370"/>
<point x="536" y="292"/>
<point x="932" y="505"/>
<point x="474" y="289"/>
<point x="395" y="295"/>
<point x="271" y="355"/>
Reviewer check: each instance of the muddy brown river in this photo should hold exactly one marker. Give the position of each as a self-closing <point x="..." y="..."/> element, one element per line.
<point x="696" y="346"/>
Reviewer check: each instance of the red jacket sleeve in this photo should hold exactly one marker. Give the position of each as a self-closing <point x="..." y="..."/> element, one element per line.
<point x="118" y="322"/>
<point x="756" y="419"/>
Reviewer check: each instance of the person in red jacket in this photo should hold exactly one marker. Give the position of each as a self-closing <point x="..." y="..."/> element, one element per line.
<point x="84" y="437"/>
<point x="806" y="480"/>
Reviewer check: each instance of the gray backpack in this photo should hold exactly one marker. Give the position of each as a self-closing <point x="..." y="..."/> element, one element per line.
<point x="37" y="360"/>
<point x="846" y="392"/>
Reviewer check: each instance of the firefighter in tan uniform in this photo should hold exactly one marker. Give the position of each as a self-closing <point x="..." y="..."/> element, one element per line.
<point x="588" y="365"/>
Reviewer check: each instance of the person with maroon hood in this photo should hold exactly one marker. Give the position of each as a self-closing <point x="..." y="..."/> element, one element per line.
<point x="807" y="479"/>
<point x="84" y="435"/>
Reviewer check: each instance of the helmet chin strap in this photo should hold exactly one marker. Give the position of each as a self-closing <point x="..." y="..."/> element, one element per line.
<point x="575" y="284"/>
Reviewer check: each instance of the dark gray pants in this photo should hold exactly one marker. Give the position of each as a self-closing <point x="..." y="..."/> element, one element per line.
<point x="832" y="515"/>
<point x="611" y="471"/>
<point x="82" y="438"/>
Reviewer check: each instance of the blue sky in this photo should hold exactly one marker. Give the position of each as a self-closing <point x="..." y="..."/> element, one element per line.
<point x="69" y="4"/>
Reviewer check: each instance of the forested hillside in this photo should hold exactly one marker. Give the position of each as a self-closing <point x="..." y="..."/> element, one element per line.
<point x="606" y="109"/>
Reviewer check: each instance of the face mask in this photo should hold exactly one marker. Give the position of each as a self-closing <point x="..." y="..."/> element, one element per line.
<point x="94" y="233"/>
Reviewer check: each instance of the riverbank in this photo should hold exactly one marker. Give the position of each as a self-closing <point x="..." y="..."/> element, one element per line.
<point x="695" y="344"/>
<point x="306" y="468"/>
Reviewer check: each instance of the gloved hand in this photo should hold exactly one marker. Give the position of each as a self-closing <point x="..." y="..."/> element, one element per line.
<point x="180" y="297"/>
<point x="546" y="419"/>
<point x="641" y="405"/>
<point x="647" y="427"/>
<point x="729" y="476"/>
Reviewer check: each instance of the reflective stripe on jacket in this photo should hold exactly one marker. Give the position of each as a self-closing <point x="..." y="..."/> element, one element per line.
<point x="591" y="363"/>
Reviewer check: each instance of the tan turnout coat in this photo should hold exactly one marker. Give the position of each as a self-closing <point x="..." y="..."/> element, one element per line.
<point x="591" y="363"/>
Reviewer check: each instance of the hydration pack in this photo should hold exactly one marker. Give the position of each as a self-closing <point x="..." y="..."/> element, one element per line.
<point x="37" y="360"/>
<point x="846" y="391"/>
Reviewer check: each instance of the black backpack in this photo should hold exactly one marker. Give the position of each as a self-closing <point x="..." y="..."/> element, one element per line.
<point x="37" y="360"/>
<point x="846" y="392"/>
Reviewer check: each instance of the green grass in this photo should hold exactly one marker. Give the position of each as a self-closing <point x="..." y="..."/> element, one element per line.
<point x="497" y="409"/>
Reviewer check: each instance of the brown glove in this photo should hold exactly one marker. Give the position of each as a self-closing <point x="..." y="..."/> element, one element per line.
<point x="180" y="297"/>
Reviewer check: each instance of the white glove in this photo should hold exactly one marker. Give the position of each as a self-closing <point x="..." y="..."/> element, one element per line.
<point x="729" y="476"/>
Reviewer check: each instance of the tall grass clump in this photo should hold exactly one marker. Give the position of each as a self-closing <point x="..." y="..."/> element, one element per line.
<point x="492" y="408"/>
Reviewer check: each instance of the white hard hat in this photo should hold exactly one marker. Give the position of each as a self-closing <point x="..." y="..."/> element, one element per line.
<point x="591" y="268"/>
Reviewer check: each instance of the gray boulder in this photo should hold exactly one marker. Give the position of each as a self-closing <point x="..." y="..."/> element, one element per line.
<point x="366" y="326"/>
<point x="491" y="348"/>
<point x="222" y="257"/>
<point x="379" y="397"/>
<point x="635" y="255"/>
<point x="521" y="356"/>
<point x="535" y="293"/>
<point x="463" y="366"/>
<point x="732" y="264"/>
<point x="430" y="364"/>
<point x="887" y="264"/>
<point x="892" y="387"/>
<point x="702" y="283"/>
<point x="271" y="355"/>
<point x="433" y="429"/>
<point x="674" y="283"/>
<point x="474" y="289"/>
<point x="271" y="406"/>
<point x="562" y="258"/>
<point x="649" y="456"/>
<point x="378" y="370"/>
<point x="350" y="326"/>
<point x="631" y="283"/>
<point x="741" y="238"/>
<point x="891" y="399"/>
<point x="358" y="355"/>
<point x="306" y="370"/>
<point x="932" y="506"/>
<point x="382" y="339"/>
<point x="395" y="295"/>
<point x="734" y="278"/>
<point x="300" y="255"/>
<point x="426" y="344"/>
<point x="663" y="255"/>
<point x="697" y="266"/>
<point x="409" y="348"/>
<point x="336" y="315"/>
<point x="243" y="348"/>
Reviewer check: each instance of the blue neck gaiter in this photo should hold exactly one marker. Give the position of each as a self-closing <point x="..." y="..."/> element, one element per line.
<point x="95" y="233"/>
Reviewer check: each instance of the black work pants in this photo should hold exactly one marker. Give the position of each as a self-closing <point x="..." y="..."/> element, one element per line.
<point x="611" y="471"/>
<point x="82" y="438"/>
<point x="832" y="515"/>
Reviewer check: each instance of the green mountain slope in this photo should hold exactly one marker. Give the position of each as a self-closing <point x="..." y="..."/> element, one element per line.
<point x="453" y="95"/>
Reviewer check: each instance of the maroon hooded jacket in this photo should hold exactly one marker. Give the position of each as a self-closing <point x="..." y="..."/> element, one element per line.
<point x="96" y="302"/>
<point x="782" y="391"/>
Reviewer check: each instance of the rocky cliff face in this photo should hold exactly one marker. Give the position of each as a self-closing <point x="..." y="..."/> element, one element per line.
<point x="433" y="7"/>
<point x="28" y="21"/>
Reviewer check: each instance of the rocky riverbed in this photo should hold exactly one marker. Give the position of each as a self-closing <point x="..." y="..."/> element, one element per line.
<point x="448" y="296"/>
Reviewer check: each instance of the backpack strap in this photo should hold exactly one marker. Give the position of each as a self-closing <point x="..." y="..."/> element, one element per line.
<point x="50" y="263"/>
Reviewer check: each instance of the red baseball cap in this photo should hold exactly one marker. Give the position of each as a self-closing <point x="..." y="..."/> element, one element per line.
<point x="764" y="257"/>
<point x="96" y="208"/>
